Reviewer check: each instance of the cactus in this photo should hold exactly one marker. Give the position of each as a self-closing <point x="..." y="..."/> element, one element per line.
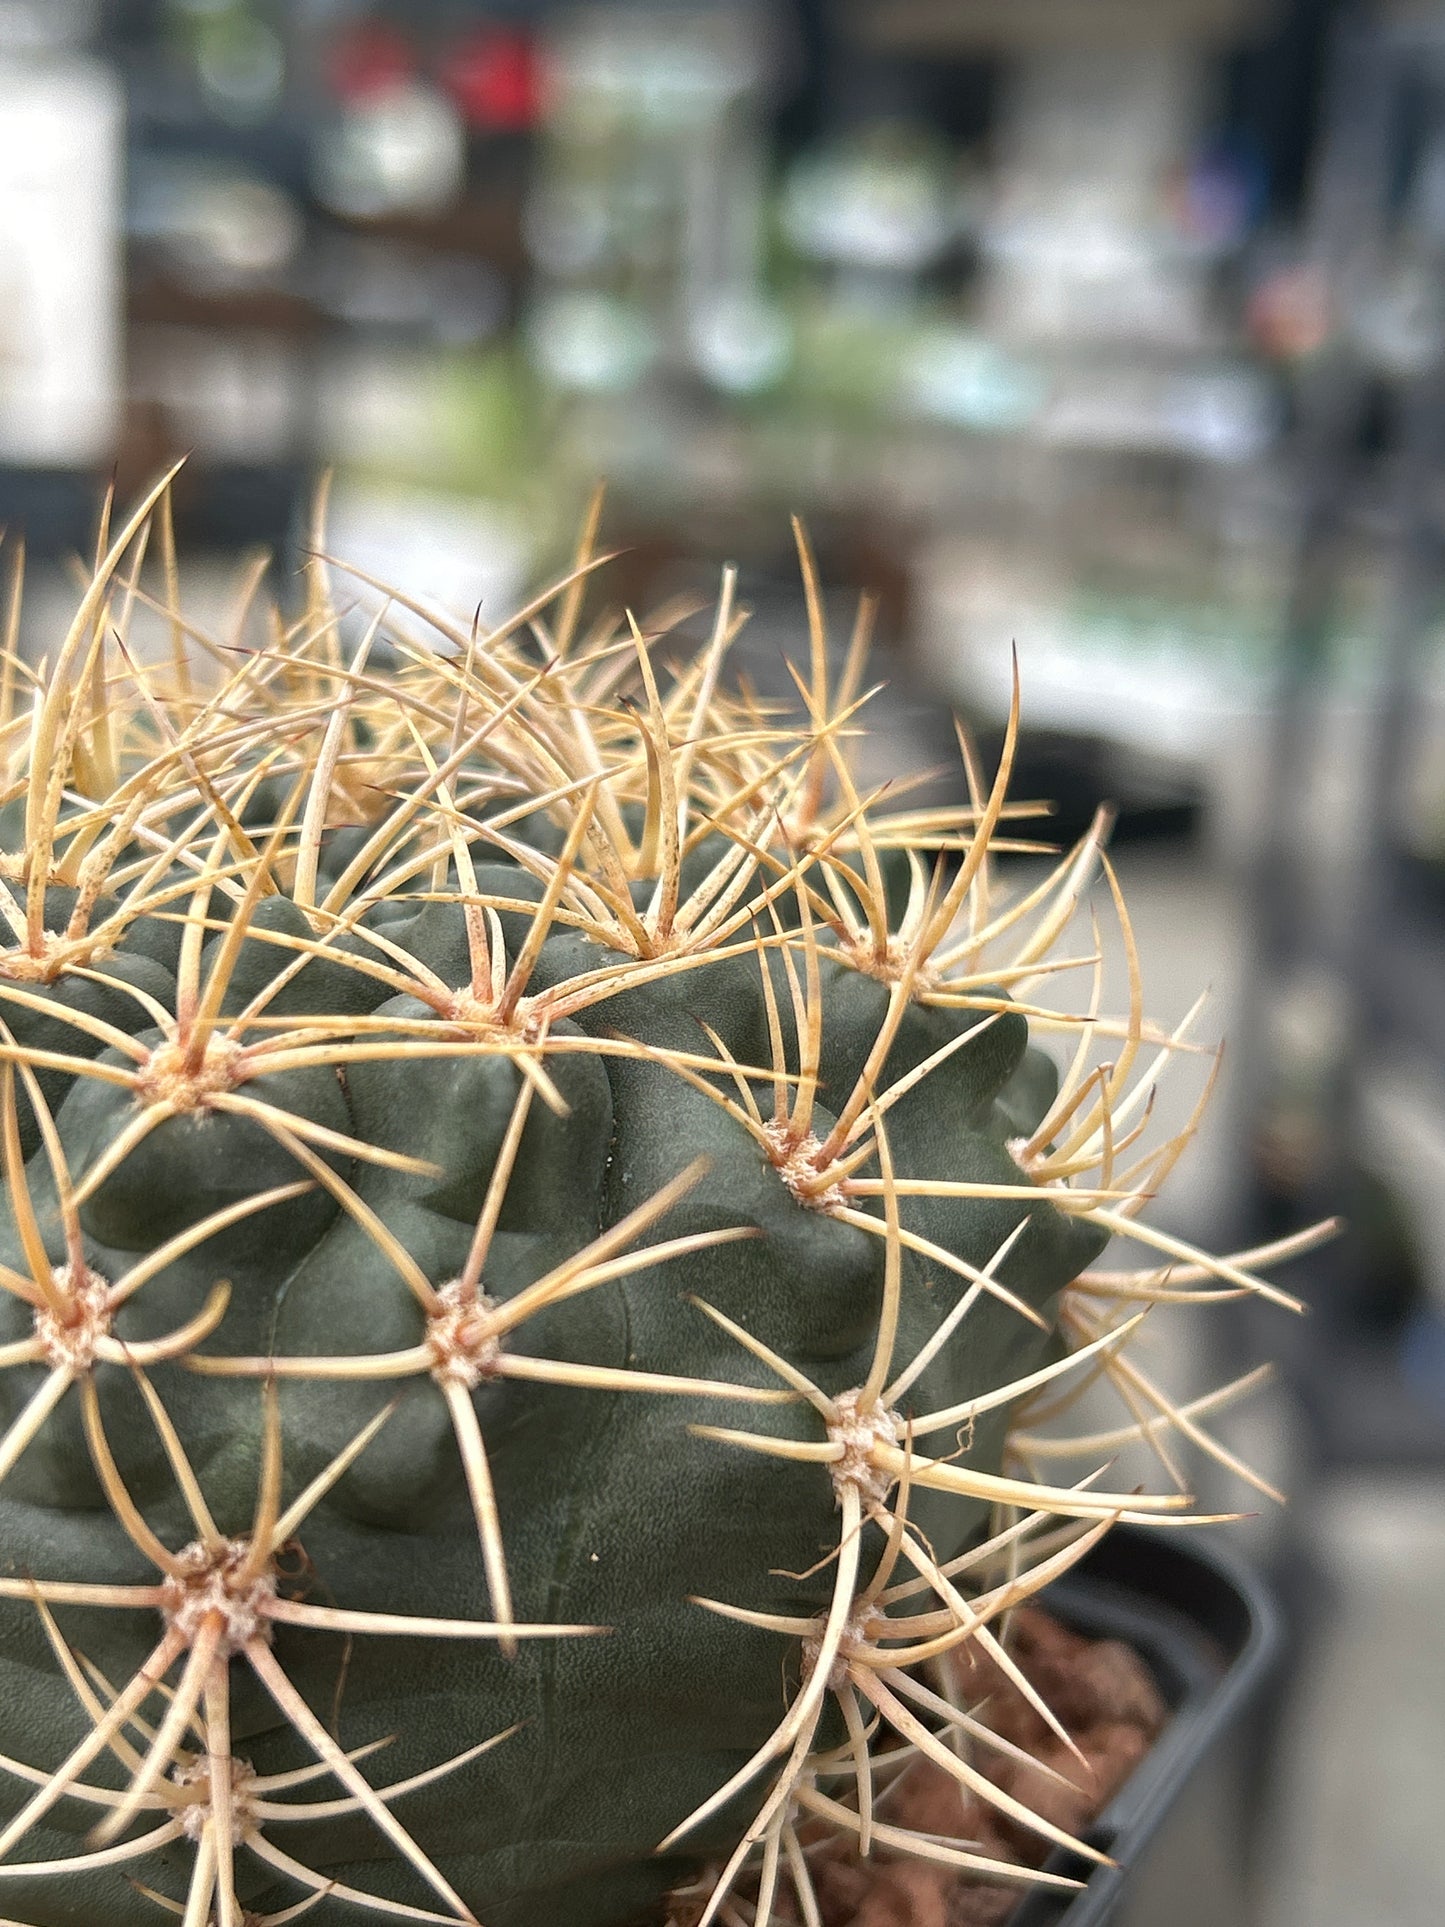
<point x="534" y="1229"/>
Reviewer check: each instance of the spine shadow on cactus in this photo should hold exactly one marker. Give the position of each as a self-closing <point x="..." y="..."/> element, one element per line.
<point x="537" y="1259"/>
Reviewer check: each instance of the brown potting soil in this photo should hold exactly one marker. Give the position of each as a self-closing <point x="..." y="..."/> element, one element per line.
<point x="1105" y="1697"/>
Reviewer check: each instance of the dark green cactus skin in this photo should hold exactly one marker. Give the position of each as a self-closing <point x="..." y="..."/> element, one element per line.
<point x="613" y="1513"/>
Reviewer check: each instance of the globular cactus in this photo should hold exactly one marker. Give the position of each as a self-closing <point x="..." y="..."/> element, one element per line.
<point x="533" y="1221"/>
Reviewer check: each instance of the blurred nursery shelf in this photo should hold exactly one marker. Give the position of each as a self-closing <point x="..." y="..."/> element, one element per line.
<point x="1011" y="302"/>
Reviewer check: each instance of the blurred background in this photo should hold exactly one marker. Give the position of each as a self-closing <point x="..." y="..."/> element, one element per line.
<point x="1114" y="329"/>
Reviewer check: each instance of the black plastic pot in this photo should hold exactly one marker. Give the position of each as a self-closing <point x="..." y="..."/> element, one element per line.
<point x="1209" y="1632"/>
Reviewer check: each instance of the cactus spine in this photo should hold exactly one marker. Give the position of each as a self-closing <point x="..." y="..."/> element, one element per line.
<point x="534" y="1232"/>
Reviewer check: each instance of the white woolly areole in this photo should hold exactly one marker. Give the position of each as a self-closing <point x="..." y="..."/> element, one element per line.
<point x="797" y="1160"/>
<point x="855" y="1633"/>
<point x="858" y="1432"/>
<point x="460" y="1336"/>
<point x="168" y="1077"/>
<point x="22" y="965"/>
<point x="71" y="1339"/>
<point x="213" y="1580"/>
<point x="196" y="1815"/>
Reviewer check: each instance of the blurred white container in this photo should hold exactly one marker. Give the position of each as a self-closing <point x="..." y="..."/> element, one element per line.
<point x="473" y="555"/>
<point x="61" y="122"/>
<point x="1078" y="245"/>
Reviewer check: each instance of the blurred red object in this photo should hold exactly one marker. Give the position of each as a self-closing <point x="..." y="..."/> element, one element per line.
<point x="494" y="76"/>
<point x="1289" y="314"/>
<point x="369" y="60"/>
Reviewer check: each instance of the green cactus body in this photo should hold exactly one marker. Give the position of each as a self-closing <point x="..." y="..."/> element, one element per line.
<point x="471" y="1296"/>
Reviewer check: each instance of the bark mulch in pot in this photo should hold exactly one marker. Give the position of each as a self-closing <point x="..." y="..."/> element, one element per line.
<point x="1105" y="1697"/>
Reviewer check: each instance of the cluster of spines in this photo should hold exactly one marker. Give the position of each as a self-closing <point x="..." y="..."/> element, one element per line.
<point x="678" y="826"/>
